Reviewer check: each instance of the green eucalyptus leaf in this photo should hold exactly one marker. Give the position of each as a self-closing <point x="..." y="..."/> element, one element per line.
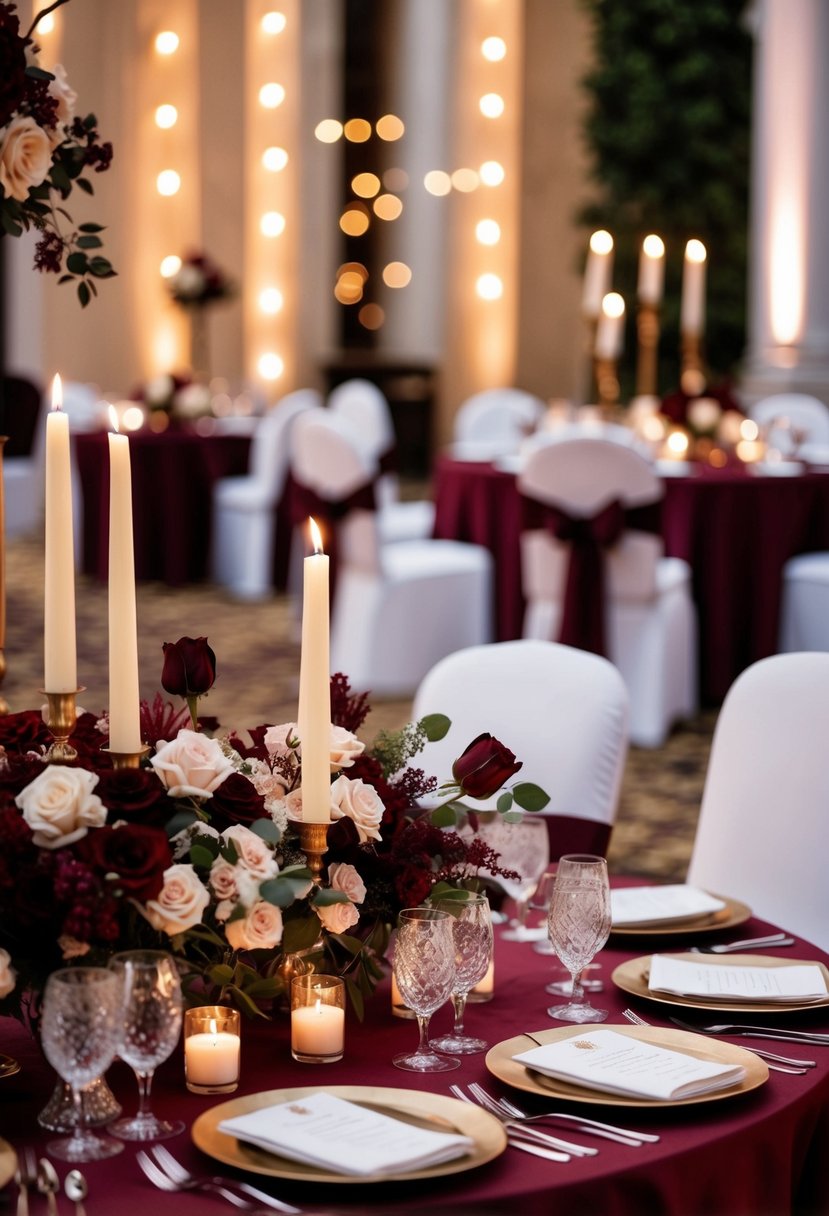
<point x="436" y="726"/>
<point x="221" y="974"/>
<point x="85" y="185"/>
<point x="513" y="817"/>
<point x="267" y="830"/>
<point x="444" y="816"/>
<point x="83" y="294"/>
<point x="504" y="802"/>
<point x="325" y="897"/>
<point x="201" y="856"/>
<point x="530" y="797"/>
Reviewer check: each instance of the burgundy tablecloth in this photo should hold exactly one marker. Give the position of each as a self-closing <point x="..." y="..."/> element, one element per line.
<point x="172" y="481"/>
<point x="736" y="530"/>
<point x="763" y="1153"/>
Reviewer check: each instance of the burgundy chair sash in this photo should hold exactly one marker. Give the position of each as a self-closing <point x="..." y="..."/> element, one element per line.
<point x="583" y="610"/>
<point x="303" y="501"/>
<point x="388" y="461"/>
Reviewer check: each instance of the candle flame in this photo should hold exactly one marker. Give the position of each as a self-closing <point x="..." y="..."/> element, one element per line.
<point x="316" y="535"/>
<point x="214" y="1028"/>
<point x="57" y="393"/>
<point x="695" y="251"/>
<point x="113" y="419"/>
<point x="613" y="305"/>
<point x="318" y="1005"/>
<point x="601" y="241"/>
<point x="654" y="246"/>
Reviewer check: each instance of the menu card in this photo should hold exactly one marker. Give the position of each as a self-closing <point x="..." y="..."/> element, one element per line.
<point x="343" y="1137"/>
<point x="620" y="1064"/>
<point x="650" y="905"/>
<point x="795" y="982"/>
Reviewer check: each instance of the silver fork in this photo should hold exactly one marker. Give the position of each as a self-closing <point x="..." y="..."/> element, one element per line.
<point x="177" y="1172"/>
<point x="520" y="1136"/>
<point x="748" y="943"/>
<point x="776" y="1063"/>
<point x="494" y="1106"/>
<point x="814" y="1038"/>
<point x="25" y="1176"/>
<point x="592" y="1127"/>
<point x="164" y="1183"/>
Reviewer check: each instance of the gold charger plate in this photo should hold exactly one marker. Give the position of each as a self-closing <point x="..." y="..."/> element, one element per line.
<point x="8" y="1066"/>
<point x="8" y="1163"/>
<point x="734" y="913"/>
<point x="632" y="977"/>
<point x="500" y="1063"/>
<point x="434" y="1111"/>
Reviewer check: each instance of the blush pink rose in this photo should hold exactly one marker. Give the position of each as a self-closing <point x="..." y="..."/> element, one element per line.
<point x="191" y="764"/>
<point x="25" y="157"/>
<point x="338" y="918"/>
<point x="360" y="803"/>
<point x="345" y="878"/>
<point x="254" y="854"/>
<point x="261" y="929"/>
<point x="8" y="975"/>
<point x="180" y="903"/>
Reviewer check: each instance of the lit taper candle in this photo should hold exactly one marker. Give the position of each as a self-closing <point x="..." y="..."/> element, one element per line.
<point x="611" y="329"/>
<point x="651" y="270"/>
<point x="59" y="644"/>
<point x="124" y="706"/>
<point x="597" y="273"/>
<point x="692" y="310"/>
<point x="314" y="712"/>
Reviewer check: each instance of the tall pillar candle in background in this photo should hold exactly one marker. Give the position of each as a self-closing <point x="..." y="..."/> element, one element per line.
<point x="610" y="331"/>
<point x="124" y="706"/>
<point x="60" y="662"/>
<point x="597" y="273"/>
<point x="651" y="280"/>
<point x="692" y="310"/>
<point x="314" y="712"/>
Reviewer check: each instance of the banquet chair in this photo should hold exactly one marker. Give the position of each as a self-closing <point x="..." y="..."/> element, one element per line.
<point x="23" y="454"/>
<point x="398" y="606"/>
<point x="497" y="420"/>
<point x="365" y="405"/>
<point x="761" y="827"/>
<point x="638" y="599"/>
<point x="790" y="419"/>
<point x="244" y="508"/>
<point x="564" y="712"/>
<point x="804" y="607"/>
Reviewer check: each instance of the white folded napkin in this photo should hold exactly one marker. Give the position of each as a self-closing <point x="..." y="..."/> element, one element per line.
<point x="793" y="982"/>
<point x="620" y="1064"/>
<point x="341" y="1136"/>
<point x="651" y="905"/>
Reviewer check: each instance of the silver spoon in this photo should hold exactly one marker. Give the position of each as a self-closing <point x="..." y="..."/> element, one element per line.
<point x="76" y="1188"/>
<point x="48" y="1183"/>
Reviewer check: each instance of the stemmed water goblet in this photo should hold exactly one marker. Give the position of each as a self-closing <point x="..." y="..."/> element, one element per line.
<point x="472" y="935"/>
<point x="540" y="902"/>
<point x="79" y="1032"/>
<point x="151" y="1012"/>
<point x="523" y="846"/>
<point x="424" y="970"/>
<point x="578" y="924"/>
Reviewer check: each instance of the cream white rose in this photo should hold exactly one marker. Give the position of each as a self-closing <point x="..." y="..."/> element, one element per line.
<point x="59" y="805"/>
<point x="338" y="918"/>
<point x="254" y="854"/>
<point x="25" y="157"/>
<point x="191" y="764"/>
<point x="180" y="903"/>
<point x="261" y="929"/>
<point x="345" y="748"/>
<point x="343" y="877"/>
<point x="8" y="975"/>
<point x="276" y="739"/>
<point x="355" y="800"/>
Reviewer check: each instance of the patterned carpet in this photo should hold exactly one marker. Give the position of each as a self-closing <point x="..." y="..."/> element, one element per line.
<point x="257" y="667"/>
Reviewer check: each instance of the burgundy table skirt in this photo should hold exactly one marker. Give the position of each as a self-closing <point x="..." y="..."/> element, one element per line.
<point x="172" y="482"/>
<point x="763" y="1153"/>
<point x="735" y="529"/>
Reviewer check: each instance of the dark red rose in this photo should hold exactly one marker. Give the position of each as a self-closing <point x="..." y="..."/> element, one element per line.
<point x="484" y="766"/>
<point x="17" y="773"/>
<point x="134" y="794"/>
<point x="189" y="667"/>
<point x="138" y="855"/>
<point x="23" y="732"/>
<point x="12" y="63"/>
<point x="237" y="801"/>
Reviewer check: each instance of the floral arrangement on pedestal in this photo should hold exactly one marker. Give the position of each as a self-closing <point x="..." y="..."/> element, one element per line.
<point x="197" y="284"/>
<point x="198" y="850"/>
<point x="45" y="149"/>
<point x="173" y="396"/>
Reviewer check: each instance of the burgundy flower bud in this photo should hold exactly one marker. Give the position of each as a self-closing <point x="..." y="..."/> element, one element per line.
<point x="237" y="801"/>
<point x="484" y="767"/>
<point x="189" y="667"/>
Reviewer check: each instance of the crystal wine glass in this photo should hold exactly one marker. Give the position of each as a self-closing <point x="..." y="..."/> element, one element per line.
<point x="578" y="924"/>
<point x="540" y="902"/>
<point x="424" y="968"/>
<point x="472" y="935"/>
<point x="79" y="1032"/>
<point x="524" y="847"/>
<point x="151" y="1012"/>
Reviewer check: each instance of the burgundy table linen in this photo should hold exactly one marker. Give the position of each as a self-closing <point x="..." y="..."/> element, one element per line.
<point x="763" y="1153"/>
<point x="736" y="530"/>
<point x="172" y="481"/>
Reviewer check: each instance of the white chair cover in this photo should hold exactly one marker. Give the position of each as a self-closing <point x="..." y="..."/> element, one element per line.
<point x="497" y="418"/>
<point x="399" y="607"/>
<point x="650" y="621"/>
<point x="762" y="826"/>
<point x="783" y="413"/>
<point x="564" y="712"/>
<point x="804" y="607"/>
<point x="244" y="507"/>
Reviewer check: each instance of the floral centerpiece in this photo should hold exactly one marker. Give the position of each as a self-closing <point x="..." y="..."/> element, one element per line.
<point x="45" y="150"/>
<point x="198" y="851"/>
<point x="199" y="282"/>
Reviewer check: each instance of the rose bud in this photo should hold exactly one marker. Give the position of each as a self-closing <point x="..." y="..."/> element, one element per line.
<point x="189" y="667"/>
<point x="484" y="766"/>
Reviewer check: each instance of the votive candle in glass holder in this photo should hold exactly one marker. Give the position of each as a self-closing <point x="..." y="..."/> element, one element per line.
<point x="317" y="1018"/>
<point x="212" y="1049"/>
<point x="484" y="990"/>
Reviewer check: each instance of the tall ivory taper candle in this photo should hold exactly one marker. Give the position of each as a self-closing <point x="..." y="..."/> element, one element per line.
<point x="60" y="664"/>
<point x="124" y="704"/>
<point x="314" y="713"/>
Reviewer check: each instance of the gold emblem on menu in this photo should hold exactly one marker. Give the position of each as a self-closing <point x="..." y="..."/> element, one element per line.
<point x="296" y="1108"/>
<point x="583" y="1045"/>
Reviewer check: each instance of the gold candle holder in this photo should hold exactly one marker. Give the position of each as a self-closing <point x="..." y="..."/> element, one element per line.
<point x="692" y="377"/>
<point x="127" y="759"/>
<point x="586" y="390"/>
<point x="61" y="719"/>
<point x="4" y="708"/>
<point x="313" y="840"/>
<point x="607" y="383"/>
<point x="647" y="333"/>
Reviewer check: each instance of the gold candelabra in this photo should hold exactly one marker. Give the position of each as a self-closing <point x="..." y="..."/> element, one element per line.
<point x="607" y="383"/>
<point x="127" y="759"/>
<point x="692" y="378"/>
<point x="62" y="715"/>
<point x="647" y="332"/>
<point x="587" y="389"/>
<point x="313" y="840"/>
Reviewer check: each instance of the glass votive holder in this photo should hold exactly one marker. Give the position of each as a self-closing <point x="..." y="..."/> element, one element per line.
<point x="317" y="1018"/>
<point x="398" y="1006"/>
<point x="212" y="1049"/>
<point x="484" y="990"/>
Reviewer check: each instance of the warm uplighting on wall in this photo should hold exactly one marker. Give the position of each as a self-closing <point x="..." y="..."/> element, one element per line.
<point x="166" y="116"/>
<point x="365" y="185"/>
<point x="395" y="179"/>
<point x="494" y="49"/>
<point x="397" y="274"/>
<point x="488" y="232"/>
<point x="270" y="365"/>
<point x="387" y="207"/>
<point x="271" y="95"/>
<point x="491" y="173"/>
<point x="489" y="287"/>
<point x="46" y="25"/>
<point x="390" y="127"/>
<point x="491" y="105"/>
<point x="437" y="182"/>
<point x="168" y="182"/>
<point x="275" y="159"/>
<point x="328" y="131"/>
<point x="270" y="301"/>
<point x="355" y="221"/>
<point x="169" y="266"/>
<point x="272" y="224"/>
<point x="167" y="42"/>
<point x="357" y="130"/>
<point x="465" y="180"/>
<point x="787" y="258"/>
<point x="273" y="22"/>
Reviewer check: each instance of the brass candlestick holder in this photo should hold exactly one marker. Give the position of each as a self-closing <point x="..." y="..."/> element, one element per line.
<point x="586" y="390"/>
<point x="127" y="759"/>
<point x="607" y="384"/>
<point x="647" y="333"/>
<point x="692" y="377"/>
<point x="313" y="840"/>
<point x="61" y="718"/>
